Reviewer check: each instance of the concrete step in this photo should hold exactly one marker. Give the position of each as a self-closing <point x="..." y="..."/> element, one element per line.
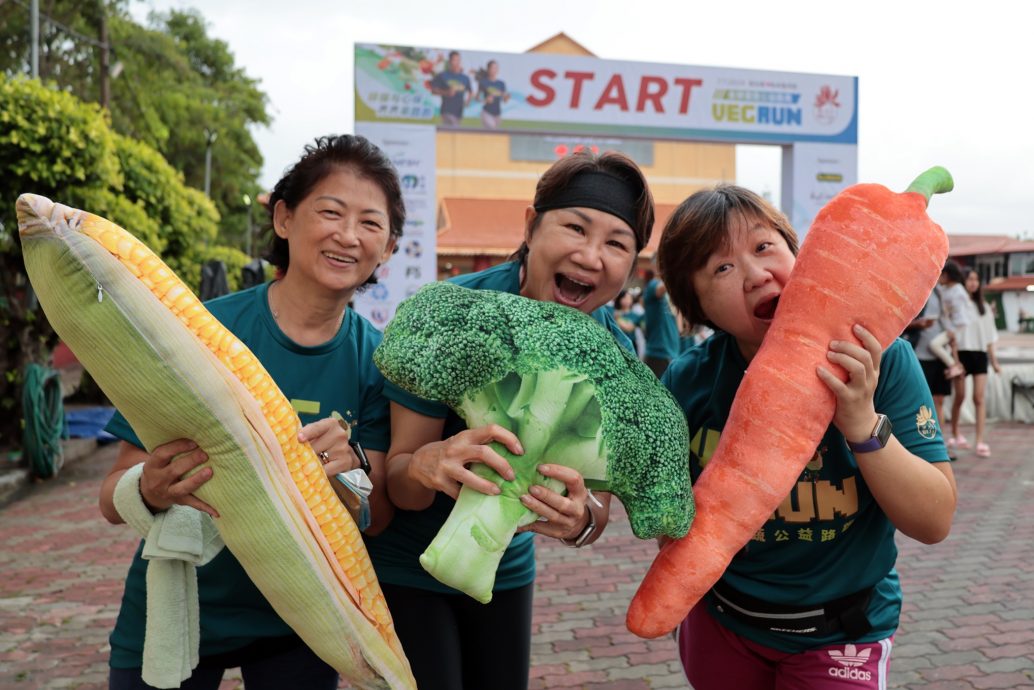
<point x="15" y="481"/>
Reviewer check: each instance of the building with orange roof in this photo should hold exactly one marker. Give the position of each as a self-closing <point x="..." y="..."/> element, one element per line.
<point x="1006" y="267"/>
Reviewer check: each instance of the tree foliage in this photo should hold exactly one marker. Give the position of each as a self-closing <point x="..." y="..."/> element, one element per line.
<point x="174" y="86"/>
<point x="55" y="145"/>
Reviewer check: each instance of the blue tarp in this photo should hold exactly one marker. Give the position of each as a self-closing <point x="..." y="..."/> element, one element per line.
<point x="89" y="422"/>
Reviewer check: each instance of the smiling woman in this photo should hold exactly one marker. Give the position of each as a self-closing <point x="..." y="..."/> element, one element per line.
<point x="336" y="214"/>
<point x="802" y="561"/>
<point x="590" y="217"/>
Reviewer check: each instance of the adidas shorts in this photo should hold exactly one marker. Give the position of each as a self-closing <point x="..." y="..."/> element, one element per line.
<point x="715" y="658"/>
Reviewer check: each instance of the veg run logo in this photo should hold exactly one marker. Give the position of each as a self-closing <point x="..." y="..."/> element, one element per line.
<point x="827" y="105"/>
<point x="848" y="662"/>
<point x="925" y="423"/>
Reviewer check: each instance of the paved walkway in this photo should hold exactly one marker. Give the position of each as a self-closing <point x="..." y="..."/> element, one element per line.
<point x="968" y="621"/>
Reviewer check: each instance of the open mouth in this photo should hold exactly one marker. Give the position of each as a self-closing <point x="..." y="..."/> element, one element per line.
<point x="570" y="291"/>
<point x="766" y="309"/>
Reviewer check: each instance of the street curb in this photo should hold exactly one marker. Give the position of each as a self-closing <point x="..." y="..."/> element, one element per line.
<point x="17" y="481"/>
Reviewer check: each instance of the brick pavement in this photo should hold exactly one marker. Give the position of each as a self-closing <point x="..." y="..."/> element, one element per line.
<point x="968" y="621"/>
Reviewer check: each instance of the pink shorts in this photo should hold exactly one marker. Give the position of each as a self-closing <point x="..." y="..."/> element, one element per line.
<point x="715" y="658"/>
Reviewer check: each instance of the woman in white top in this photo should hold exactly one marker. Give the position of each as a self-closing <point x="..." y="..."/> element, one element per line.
<point x="976" y="347"/>
<point x="954" y="318"/>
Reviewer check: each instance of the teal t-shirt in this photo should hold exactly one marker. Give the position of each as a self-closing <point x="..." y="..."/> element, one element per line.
<point x="395" y="552"/>
<point x="829" y="538"/>
<point x="662" y="334"/>
<point x="337" y="375"/>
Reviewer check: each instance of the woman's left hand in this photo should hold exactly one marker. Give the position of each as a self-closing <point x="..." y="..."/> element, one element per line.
<point x="565" y="516"/>
<point x="855" y="414"/>
<point x="330" y="441"/>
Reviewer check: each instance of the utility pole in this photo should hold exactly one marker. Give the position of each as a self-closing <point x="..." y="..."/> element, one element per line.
<point x="210" y="137"/>
<point x="34" y="30"/>
<point x="249" y="231"/>
<point x="105" y="56"/>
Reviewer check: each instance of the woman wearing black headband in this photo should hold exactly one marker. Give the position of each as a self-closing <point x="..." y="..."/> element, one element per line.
<point x="591" y="216"/>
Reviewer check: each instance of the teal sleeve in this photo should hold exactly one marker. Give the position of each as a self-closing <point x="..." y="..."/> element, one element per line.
<point x="904" y="396"/>
<point x="374" y="428"/>
<point x="119" y="428"/>
<point x="428" y="408"/>
<point x="606" y="319"/>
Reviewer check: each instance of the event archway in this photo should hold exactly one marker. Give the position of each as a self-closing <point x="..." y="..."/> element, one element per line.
<point x="405" y="94"/>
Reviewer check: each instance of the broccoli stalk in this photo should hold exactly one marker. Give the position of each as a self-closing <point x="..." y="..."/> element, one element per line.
<point x="567" y="390"/>
<point x="546" y="410"/>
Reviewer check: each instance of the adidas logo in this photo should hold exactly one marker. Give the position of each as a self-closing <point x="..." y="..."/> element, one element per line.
<point x="849" y="660"/>
<point x="850" y="656"/>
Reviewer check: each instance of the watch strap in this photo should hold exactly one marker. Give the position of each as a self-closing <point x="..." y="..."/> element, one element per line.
<point x="590" y="528"/>
<point x="877" y="440"/>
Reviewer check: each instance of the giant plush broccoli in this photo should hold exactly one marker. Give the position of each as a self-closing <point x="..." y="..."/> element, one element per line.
<point x="570" y="393"/>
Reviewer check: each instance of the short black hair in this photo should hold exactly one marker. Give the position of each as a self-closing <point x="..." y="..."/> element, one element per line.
<point x="321" y="158"/>
<point x="698" y="228"/>
<point x="954" y="272"/>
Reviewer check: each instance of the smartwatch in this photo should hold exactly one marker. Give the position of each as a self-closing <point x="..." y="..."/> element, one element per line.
<point x="590" y="527"/>
<point x="364" y="462"/>
<point x="877" y="440"/>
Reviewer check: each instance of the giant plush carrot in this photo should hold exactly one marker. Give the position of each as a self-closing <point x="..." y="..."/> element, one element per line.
<point x="871" y="257"/>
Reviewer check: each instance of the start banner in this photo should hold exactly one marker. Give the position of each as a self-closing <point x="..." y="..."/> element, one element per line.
<point x="541" y="92"/>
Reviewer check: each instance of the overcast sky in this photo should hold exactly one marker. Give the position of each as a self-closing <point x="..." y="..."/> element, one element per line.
<point x="939" y="82"/>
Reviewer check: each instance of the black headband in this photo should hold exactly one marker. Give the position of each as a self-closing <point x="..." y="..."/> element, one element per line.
<point x="599" y="190"/>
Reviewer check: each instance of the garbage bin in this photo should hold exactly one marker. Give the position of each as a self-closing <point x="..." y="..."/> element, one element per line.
<point x="213" y="280"/>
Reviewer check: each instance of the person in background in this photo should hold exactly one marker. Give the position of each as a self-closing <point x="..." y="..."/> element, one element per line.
<point x="976" y="343"/>
<point x="816" y="582"/>
<point x="662" y="334"/>
<point x="590" y="218"/>
<point x="454" y="88"/>
<point x="626" y="317"/>
<point x="928" y="325"/>
<point x="691" y="335"/>
<point x="953" y="315"/>
<point x="492" y="93"/>
<point x="337" y="214"/>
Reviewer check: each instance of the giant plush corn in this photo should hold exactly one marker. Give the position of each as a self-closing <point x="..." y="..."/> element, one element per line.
<point x="175" y="372"/>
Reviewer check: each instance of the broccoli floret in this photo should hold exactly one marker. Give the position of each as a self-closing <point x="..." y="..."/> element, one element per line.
<point x="571" y="394"/>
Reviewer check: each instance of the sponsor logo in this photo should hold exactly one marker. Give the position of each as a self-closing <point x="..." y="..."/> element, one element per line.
<point x="925" y="422"/>
<point x="380" y="316"/>
<point x="413" y="183"/>
<point x="827" y="105"/>
<point x="849" y="662"/>
<point x="413" y="249"/>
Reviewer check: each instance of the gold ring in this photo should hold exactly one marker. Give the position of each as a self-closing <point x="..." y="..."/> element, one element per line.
<point x="323" y="456"/>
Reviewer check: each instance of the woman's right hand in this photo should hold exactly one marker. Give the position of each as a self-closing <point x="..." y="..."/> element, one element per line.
<point x="163" y="483"/>
<point x="444" y="465"/>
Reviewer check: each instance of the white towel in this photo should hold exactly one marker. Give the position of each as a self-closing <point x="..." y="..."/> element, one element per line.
<point x="175" y="542"/>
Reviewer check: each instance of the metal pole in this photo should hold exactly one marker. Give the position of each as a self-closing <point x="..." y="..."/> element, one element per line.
<point x="210" y="137"/>
<point x="105" y="70"/>
<point x="208" y="170"/>
<point x="34" y="24"/>
<point x="247" y="241"/>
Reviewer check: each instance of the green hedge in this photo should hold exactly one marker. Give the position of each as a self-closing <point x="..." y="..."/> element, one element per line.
<point x="54" y="145"/>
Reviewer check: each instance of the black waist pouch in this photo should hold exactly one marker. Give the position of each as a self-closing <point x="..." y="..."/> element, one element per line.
<point x="846" y="614"/>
